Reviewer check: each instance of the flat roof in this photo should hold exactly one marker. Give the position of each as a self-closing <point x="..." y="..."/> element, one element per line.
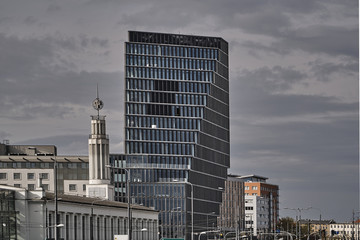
<point x="94" y="201"/>
<point x="252" y="176"/>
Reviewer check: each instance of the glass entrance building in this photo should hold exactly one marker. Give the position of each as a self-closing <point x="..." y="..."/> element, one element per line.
<point x="176" y="128"/>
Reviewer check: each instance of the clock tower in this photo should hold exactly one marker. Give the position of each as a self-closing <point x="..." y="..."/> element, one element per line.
<point x="99" y="174"/>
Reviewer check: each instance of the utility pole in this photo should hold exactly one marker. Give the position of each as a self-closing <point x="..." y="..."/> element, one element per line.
<point x="56" y="201"/>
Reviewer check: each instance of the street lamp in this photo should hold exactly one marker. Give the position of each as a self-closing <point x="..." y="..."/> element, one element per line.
<point x="128" y="197"/>
<point x="56" y="227"/>
<point x="92" y="217"/>
<point x="56" y="198"/>
<point x="319" y="220"/>
<point x="192" y="206"/>
<point x="298" y="209"/>
<point x="207" y="219"/>
<point x="173" y="221"/>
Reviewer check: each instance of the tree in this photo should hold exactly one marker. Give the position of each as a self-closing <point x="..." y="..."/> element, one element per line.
<point x="287" y="224"/>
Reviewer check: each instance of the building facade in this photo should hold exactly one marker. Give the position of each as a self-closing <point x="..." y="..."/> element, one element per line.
<point x="257" y="211"/>
<point x="31" y="215"/>
<point x="257" y="186"/>
<point x="177" y="126"/>
<point x="350" y="230"/>
<point x="25" y="169"/>
<point x="232" y="210"/>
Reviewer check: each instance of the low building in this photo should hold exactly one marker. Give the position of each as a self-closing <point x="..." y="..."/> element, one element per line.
<point x="232" y="209"/>
<point x="27" y="214"/>
<point x="315" y="226"/>
<point x="257" y="186"/>
<point x="257" y="218"/>
<point x="26" y="170"/>
<point x="351" y="230"/>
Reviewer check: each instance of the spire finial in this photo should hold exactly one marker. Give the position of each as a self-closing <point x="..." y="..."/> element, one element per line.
<point x="97" y="103"/>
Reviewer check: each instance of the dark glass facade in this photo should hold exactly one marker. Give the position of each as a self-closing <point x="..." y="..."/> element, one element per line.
<point x="8" y="215"/>
<point x="177" y="127"/>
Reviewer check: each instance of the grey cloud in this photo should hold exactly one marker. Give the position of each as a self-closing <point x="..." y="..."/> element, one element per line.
<point x="260" y="92"/>
<point x="4" y="135"/>
<point x="30" y="20"/>
<point x="86" y="41"/>
<point x="53" y="7"/>
<point x="255" y="48"/>
<point x="41" y="85"/>
<point x="300" y="155"/>
<point x="273" y="79"/>
<point x="331" y="40"/>
<point x="74" y="144"/>
<point x="323" y="71"/>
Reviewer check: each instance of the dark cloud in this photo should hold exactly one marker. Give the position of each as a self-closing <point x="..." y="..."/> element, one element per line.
<point x="260" y="92"/>
<point x="324" y="70"/>
<point x="277" y="78"/>
<point x="331" y="40"/>
<point x="85" y="41"/>
<point x="53" y="7"/>
<point x="30" y="20"/>
<point x="74" y="144"/>
<point x="41" y="85"/>
<point x="257" y="48"/>
<point x="4" y="135"/>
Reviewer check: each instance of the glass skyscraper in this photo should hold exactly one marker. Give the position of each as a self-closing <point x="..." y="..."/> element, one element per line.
<point x="176" y="128"/>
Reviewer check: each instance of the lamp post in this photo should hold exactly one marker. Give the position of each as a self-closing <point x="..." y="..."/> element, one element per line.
<point x="192" y="206"/>
<point x="128" y="198"/>
<point x="173" y="221"/>
<point x="56" y="199"/>
<point x="92" y="217"/>
<point x="299" y="210"/>
<point x="320" y="227"/>
<point x="207" y="220"/>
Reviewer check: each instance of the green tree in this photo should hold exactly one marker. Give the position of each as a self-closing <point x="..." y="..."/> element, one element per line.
<point x="287" y="224"/>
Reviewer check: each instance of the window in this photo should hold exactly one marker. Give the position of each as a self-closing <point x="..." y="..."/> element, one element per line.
<point x="247" y="188"/>
<point x="254" y="188"/>
<point x="31" y="187"/>
<point x="84" y="187"/>
<point x="31" y="176"/>
<point x="44" y="175"/>
<point x="3" y="176"/>
<point x="72" y="187"/>
<point x="17" y="185"/>
<point x="17" y="176"/>
<point x="45" y="186"/>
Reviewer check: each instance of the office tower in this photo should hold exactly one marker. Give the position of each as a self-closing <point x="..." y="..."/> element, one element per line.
<point x="177" y="127"/>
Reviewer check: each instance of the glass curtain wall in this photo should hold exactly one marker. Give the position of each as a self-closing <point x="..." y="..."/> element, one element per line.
<point x="177" y="127"/>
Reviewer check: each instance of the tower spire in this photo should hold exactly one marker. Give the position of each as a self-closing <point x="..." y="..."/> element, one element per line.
<point x="97" y="103"/>
<point x="99" y="175"/>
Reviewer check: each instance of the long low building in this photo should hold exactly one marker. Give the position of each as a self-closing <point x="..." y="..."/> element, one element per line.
<point x="27" y="214"/>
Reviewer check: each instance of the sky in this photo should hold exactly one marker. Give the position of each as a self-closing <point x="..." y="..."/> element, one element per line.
<point x="294" y="83"/>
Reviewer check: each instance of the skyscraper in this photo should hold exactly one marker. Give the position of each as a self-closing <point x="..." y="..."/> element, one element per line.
<point x="177" y="127"/>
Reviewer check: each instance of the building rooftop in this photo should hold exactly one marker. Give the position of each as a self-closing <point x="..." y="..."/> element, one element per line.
<point x="63" y="198"/>
<point x="178" y="39"/>
<point x="93" y="201"/>
<point x="250" y="178"/>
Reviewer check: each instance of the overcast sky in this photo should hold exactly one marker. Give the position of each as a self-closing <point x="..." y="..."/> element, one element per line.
<point x="293" y="80"/>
